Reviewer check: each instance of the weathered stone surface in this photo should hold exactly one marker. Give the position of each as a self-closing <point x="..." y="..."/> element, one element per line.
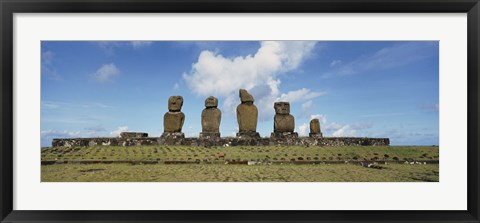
<point x="133" y="134"/>
<point x="174" y="135"/>
<point x="209" y="135"/>
<point x="248" y="135"/>
<point x="315" y="135"/>
<point x="245" y="96"/>
<point x="175" y="103"/>
<point x="211" y="102"/>
<point x="315" y="126"/>
<point x="247" y="113"/>
<point x="171" y="138"/>
<point x="208" y="139"/>
<point x="283" y="123"/>
<point x="173" y="121"/>
<point x="104" y="142"/>
<point x="282" y="108"/>
<point x="247" y="116"/>
<point x="284" y="135"/>
<point x="211" y="116"/>
<point x="174" y="118"/>
<point x="315" y="129"/>
<point x="178" y="138"/>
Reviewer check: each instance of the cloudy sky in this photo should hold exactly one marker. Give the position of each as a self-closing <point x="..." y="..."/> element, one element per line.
<point x="356" y="88"/>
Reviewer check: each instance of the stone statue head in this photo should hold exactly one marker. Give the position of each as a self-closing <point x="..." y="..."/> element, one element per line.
<point x="282" y="108"/>
<point x="315" y="121"/>
<point x="175" y="103"/>
<point x="211" y="102"/>
<point x="245" y="96"/>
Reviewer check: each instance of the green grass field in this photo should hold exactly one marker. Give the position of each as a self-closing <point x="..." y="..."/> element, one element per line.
<point x="211" y="164"/>
<point x="271" y="153"/>
<point x="237" y="173"/>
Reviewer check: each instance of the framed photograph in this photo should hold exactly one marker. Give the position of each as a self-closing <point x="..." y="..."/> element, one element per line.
<point x="232" y="111"/>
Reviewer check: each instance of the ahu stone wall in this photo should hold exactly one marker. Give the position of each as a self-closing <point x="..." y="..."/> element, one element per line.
<point x="225" y="141"/>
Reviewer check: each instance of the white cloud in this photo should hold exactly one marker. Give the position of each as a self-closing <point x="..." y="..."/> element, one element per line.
<point x="108" y="47"/>
<point x="140" y="44"/>
<point x="214" y="74"/>
<point x="59" y="134"/>
<point x="49" y="105"/>
<point x="306" y="107"/>
<point x="105" y="73"/>
<point x="49" y="72"/>
<point x="47" y="68"/>
<point x="300" y="95"/>
<point x="119" y="130"/>
<point x="321" y="118"/>
<point x="47" y="57"/>
<point x="332" y="128"/>
<point x="386" y="58"/>
<point x="190" y="131"/>
<point x="350" y="130"/>
<point x="340" y="130"/>
<point x="302" y="129"/>
<point x="344" y="131"/>
<point x="335" y="63"/>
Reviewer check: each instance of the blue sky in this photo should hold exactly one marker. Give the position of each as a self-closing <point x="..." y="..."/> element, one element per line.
<point x="356" y="88"/>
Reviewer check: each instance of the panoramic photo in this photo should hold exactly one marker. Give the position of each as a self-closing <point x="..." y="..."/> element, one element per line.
<point x="239" y="111"/>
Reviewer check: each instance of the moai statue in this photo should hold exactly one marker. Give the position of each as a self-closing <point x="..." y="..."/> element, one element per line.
<point x="247" y="116"/>
<point x="284" y="123"/>
<point x="211" y="117"/>
<point x="315" y="129"/>
<point x="174" y="118"/>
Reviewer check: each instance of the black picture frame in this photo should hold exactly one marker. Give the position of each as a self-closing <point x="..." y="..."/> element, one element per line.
<point x="9" y="7"/>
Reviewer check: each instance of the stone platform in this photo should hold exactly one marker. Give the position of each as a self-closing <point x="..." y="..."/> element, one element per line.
<point x="225" y="141"/>
<point x="248" y="135"/>
<point x="210" y="135"/>
<point x="315" y="135"/>
<point x="282" y="135"/>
